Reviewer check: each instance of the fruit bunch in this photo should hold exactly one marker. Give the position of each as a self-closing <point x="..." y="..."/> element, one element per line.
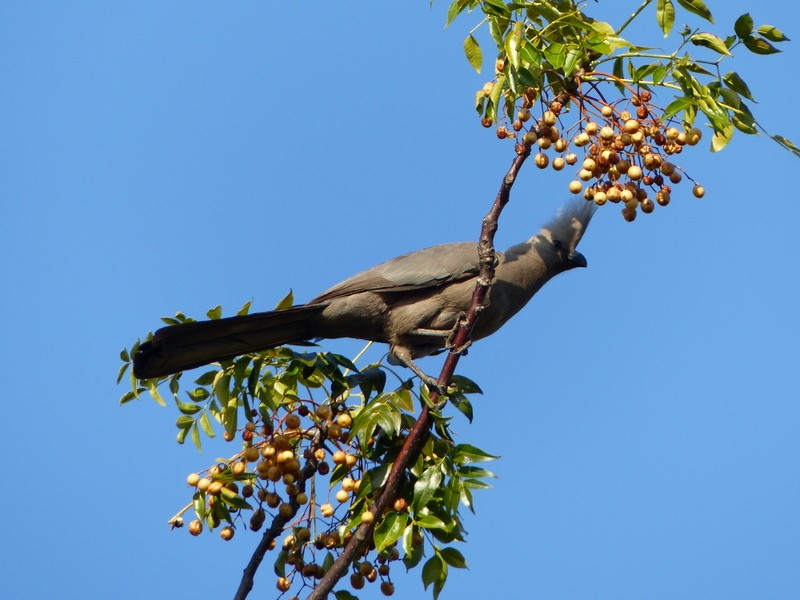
<point x="621" y="150"/>
<point x="278" y="474"/>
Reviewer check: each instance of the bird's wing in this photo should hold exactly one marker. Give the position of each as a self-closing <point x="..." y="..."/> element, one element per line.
<point x="429" y="267"/>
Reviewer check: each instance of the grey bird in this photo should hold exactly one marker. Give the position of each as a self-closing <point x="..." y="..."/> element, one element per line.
<point x="412" y="302"/>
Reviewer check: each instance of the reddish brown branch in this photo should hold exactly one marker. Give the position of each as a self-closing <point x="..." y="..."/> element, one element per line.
<point x="418" y="433"/>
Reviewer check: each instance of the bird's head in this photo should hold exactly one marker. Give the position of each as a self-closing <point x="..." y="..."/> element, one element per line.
<point x="558" y="240"/>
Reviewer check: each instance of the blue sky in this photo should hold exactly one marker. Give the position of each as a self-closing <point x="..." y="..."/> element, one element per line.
<point x="157" y="157"/>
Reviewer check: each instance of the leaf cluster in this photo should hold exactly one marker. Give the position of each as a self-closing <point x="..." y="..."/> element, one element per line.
<point x="545" y="48"/>
<point x="296" y="412"/>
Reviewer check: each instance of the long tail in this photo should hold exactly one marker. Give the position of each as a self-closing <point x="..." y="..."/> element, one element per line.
<point x="189" y="345"/>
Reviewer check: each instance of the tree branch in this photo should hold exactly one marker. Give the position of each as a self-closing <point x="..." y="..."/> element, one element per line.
<point x="418" y="432"/>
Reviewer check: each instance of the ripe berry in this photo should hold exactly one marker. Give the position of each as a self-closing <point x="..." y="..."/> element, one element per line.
<point x="226" y="533"/>
<point x="193" y="479"/>
<point x="558" y="163"/>
<point x="582" y="139"/>
<point x="292" y="421"/>
<point x="196" y="527"/>
<point x="283" y="584"/>
<point x="357" y="581"/>
<point x="541" y="160"/>
<point x="635" y="172"/>
<point x="367" y="517"/>
<point x="575" y="186"/>
<point x="699" y="191"/>
<point x="342" y="496"/>
<point x="387" y="588"/>
<point x="632" y="126"/>
<point x="607" y="111"/>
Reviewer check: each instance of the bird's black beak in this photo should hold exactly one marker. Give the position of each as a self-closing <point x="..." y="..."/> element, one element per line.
<point x="576" y="259"/>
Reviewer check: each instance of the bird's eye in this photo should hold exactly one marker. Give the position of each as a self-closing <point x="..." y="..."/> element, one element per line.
<point x="558" y="244"/>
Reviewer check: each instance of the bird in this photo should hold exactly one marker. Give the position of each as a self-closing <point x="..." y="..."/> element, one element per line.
<point x="413" y="303"/>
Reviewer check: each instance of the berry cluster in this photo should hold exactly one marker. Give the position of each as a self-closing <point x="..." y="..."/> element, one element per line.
<point x="624" y="156"/>
<point x="281" y="459"/>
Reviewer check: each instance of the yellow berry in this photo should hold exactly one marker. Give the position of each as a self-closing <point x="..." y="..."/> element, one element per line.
<point x="635" y="172"/>
<point x="196" y="527"/>
<point x="699" y="191"/>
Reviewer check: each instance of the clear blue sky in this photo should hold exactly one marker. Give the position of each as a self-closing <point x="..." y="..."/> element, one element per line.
<point x="171" y="156"/>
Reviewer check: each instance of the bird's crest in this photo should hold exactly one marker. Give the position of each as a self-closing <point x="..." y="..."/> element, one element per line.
<point x="570" y="223"/>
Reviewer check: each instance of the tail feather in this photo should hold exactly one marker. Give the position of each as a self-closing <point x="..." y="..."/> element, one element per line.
<point x="189" y="345"/>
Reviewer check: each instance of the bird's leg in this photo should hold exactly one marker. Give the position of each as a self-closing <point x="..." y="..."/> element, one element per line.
<point x="449" y="342"/>
<point x="404" y="356"/>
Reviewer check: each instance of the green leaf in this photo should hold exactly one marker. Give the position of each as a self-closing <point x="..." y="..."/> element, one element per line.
<point x="677" y="106"/>
<point x="432" y="570"/>
<point x="205" y="425"/>
<point x="456" y="8"/>
<point x="787" y="144"/>
<point x="709" y="40"/>
<point x="512" y="44"/>
<point x="234" y="499"/>
<point x="465" y="385"/>
<point x="215" y="313"/>
<point x="737" y="84"/>
<point x="286" y="302"/>
<point x="152" y="387"/>
<point x="127" y="397"/>
<point x="453" y="557"/>
<point x="556" y="54"/>
<point x="196" y="437"/>
<point x="121" y="372"/>
<point x="721" y="137"/>
<point x="773" y="34"/>
<point x="744" y="25"/>
<point x="697" y="7"/>
<point x="497" y="8"/>
<point x="245" y="309"/>
<point x="464" y="453"/>
<point x="473" y="51"/>
<point x="758" y="45"/>
<point x="344" y="594"/>
<point x="188" y="408"/>
<point x="430" y="522"/>
<point x="389" y="530"/>
<point x="426" y="486"/>
<point x="619" y="73"/>
<point x="665" y="15"/>
<point x="743" y="121"/>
